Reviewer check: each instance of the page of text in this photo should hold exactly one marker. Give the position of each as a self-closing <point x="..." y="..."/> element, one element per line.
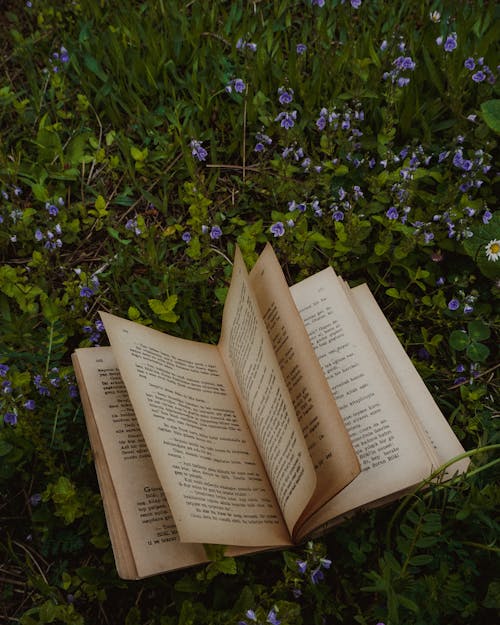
<point x="151" y="531"/>
<point x="199" y="441"/>
<point x="391" y="454"/>
<point x="444" y="442"/>
<point x="327" y="439"/>
<point x="251" y="361"/>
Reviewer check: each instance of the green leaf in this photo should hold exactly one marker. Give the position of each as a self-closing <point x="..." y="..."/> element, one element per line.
<point x="100" y="203"/>
<point x="95" y="67"/>
<point x="478" y="331"/>
<point x="477" y="352"/>
<point x="5" y="447"/>
<point x="421" y="560"/>
<point x="133" y="313"/>
<point x="164" y="310"/>
<point x="491" y="114"/>
<point x="116" y="235"/>
<point x="138" y="155"/>
<point x="392" y="292"/>
<point x="459" y="339"/>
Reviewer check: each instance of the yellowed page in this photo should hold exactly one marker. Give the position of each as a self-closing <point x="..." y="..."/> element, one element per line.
<point x="327" y="439"/>
<point x="391" y="453"/>
<point x="198" y="438"/>
<point x="408" y="382"/>
<point x="252" y="364"/>
<point x="138" y="516"/>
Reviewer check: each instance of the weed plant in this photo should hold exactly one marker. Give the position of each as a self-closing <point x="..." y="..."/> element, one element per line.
<point x="140" y="141"/>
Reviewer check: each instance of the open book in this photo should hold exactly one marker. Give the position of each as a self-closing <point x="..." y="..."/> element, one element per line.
<point x="307" y="410"/>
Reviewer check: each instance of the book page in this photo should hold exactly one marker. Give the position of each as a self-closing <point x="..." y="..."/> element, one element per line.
<point x="250" y="360"/>
<point x="408" y="382"/>
<point x="391" y="453"/>
<point x="138" y="516"/>
<point x="328" y="442"/>
<point x="198" y="438"/>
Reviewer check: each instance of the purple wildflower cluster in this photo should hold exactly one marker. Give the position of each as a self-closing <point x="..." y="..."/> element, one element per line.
<point x="271" y="618"/>
<point x="346" y="122"/>
<point x="344" y="202"/>
<point x="472" y="167"/>
<point x="481" y="71"/>
<point x="449" y="44"/>
<point x="241" y="44"/>
<point x="463" y="303"/>
<point x="94" y="332"/>
<point x="215" y="232"/>
<point x="398" y="75"/>
<point x="45" y="385"/>
<point x="287" y="119"/>
<point x="132" y="225"/>
<point x="472" y="374"/>
<point x="313" y="569"/>
<point x="59" y="59"/>
<point x="297" y="154"/>
<point x="262" y="140"/>
<point x="197" y="150"/>
<point x="237" y="84"/>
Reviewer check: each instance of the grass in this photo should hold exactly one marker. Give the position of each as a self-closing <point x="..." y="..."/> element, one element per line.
<point x="129" y="171"/>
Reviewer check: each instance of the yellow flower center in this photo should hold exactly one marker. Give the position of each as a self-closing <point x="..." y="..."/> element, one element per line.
<point x="495" y="248"/>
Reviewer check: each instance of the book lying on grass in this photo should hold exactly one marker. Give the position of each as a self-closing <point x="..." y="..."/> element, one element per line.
<point x="307" y="410"/>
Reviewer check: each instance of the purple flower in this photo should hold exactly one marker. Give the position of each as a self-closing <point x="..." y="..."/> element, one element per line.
<point x="52" y="209"/>
<point x="468" y="309"/>
<point x="242" y="45"/>
<point x="73" y="391"/>
<point x="186" y="236"/>
<point x="451" y="42"/>
<point x="6" y="387"/>
<point x="318" y="3"/>
<point x="487" y="215"/>
<point x="278" y="229"/>
<point x="423" y="354"/>
<point x="237" y="84"/>
<point x="286" y="119"/>
<point x="86" y="291"/>
<point x="272" y="618"/>
<point x="356" y="4"/>
<point x="29" y="404"/>
<point x="35" y="499"/>
<point x="301" y="48"/>
<point x="64" y="56"/>
<point x="197" y="150"/>
<point x="317" y="575"/>
<point x="453" y="304"/>
<point x="251" y="615"/>
<point x="470" y="63"/>
<point x="392" y="213"/>
<point x="3" y="370"/>
<point x="10" y="418"/>
<point x="338" y="215"/>
<point x="479" y="76"/>
<point x="215" y="233"/>
<point x="285" y="96"/>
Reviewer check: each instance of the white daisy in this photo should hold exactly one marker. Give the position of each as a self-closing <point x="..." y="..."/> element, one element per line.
<point x="493" y="250"/>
